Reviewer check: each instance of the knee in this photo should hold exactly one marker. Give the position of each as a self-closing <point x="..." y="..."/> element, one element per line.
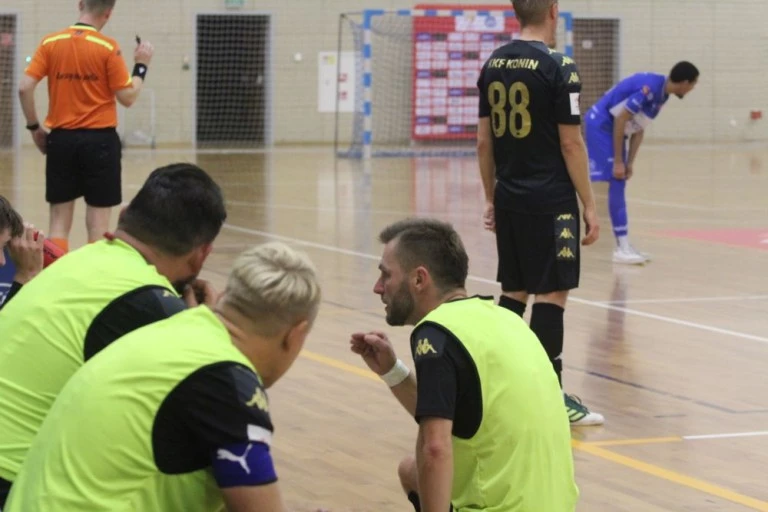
<point x="407" y="473"/>
<point x="558" y="298"/>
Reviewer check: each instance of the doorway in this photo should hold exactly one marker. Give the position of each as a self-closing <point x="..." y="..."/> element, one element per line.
<point x="233" y="78"/>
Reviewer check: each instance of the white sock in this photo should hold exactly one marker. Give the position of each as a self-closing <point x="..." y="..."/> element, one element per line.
<point x="623" y="242"/>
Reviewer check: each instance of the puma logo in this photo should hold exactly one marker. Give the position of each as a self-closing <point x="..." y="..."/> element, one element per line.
<point x="227" y="455"/>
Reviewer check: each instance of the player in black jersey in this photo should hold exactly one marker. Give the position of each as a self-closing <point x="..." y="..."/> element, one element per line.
<point x="533" y="163"/>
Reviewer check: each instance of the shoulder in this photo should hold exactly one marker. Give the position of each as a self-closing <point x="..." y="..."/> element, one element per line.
<point x="154" y="298"/>
<point x="431" y="340"/>
<point x="129" y="312"/>
<point x="53" y="37"/>
<point x="227" y="387"/>
<point x="103" y="43"/>
<point x="561" y="59"/>
<point x="112" y="41"/>
<point x="565" y="64"/>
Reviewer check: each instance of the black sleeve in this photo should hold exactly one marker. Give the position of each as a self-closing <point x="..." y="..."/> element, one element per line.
<point x="222" y="407"/>
<point x="485" y="106"/>
<point x="567" y="91"/>
<point x="127" y="313"/>
<point x="436" y="375"/>
<point x="15" y="287"/>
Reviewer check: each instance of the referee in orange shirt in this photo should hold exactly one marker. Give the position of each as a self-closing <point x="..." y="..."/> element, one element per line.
<point x="86" y="72"/>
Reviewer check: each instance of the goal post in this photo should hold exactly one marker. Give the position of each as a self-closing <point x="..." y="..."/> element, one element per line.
<point x="417" y="69"/>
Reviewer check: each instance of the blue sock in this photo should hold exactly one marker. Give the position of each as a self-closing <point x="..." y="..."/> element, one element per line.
<point x="617" y="206"/>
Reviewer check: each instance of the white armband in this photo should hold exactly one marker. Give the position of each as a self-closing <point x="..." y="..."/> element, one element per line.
<point x="397" y="374"/>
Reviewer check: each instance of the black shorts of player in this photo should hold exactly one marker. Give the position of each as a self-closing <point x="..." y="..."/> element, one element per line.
<point x="538" y="253"/>
<point x="84" y="163"/>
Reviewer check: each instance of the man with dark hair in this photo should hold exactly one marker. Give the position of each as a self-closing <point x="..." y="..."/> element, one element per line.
<point x="615" y="126"/>
<point x="25" y="248"/>
<point x="533" y="163"/>
<point x="493" y="433"/>
<point x="96" y="294"/>
<point x="86" y="72"/>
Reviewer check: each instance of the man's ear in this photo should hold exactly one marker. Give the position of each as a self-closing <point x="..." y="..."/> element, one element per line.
<point x="421" y="278"/>
<point x="197" y="256"/>
<point x="296" y="335"/>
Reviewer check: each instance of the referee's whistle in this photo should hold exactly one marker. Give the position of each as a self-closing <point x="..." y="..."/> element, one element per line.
<point x="138" y="39"/>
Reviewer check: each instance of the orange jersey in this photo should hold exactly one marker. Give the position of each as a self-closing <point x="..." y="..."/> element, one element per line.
<point x="84" y="69"/>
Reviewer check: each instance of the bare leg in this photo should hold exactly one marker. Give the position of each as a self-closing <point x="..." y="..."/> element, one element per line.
<point x="97" y="222"/>
<point x="60" y="223"/>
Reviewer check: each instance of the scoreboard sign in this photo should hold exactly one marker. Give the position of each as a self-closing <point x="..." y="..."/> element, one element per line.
<point x="448" y="53"/>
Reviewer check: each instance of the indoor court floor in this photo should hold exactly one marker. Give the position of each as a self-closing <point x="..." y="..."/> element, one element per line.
<point x="673" y="353"/>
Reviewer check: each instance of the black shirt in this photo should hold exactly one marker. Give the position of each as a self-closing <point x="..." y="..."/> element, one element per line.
<point x="215" y="407"/>
<point x="447" y="380"/>
<point x="528" y="90"/>
<point x="137" y="308"/>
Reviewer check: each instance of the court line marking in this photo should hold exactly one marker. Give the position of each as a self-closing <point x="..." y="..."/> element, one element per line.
<point x="691" y="207"/>
<point x="630" y="442"/>
<point x="726" y="436"/>
<point x="647" y="220"/>
<point x="628" y="311"/>
<point x="592" y="449"/>
<point x="672" y="476"/>
<point x="340" y="365"/>
<point x="674" y="439"/>
<point x="687" y="299"/>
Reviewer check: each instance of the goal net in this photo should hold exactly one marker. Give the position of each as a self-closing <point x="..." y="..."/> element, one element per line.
<point x="416" y="76"/>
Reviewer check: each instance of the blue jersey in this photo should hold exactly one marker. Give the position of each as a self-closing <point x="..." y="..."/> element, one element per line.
<point x="642" y="94"/>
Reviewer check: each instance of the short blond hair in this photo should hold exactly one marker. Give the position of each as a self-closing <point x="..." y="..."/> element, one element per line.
<point x="274" y="286"/>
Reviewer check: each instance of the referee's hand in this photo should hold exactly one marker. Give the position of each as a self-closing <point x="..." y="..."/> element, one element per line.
<point x="143" y="53"/>
<point x="40" y="138"/>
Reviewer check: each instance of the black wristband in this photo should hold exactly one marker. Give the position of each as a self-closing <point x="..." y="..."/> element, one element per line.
<point x="140" y="70"/>
<point x="33" y="127"/>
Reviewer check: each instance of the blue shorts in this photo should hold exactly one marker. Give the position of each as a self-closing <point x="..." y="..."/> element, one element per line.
<point x="599" y="136"/>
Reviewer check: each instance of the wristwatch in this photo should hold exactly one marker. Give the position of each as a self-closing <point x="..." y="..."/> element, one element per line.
<point x="33" y="127"/>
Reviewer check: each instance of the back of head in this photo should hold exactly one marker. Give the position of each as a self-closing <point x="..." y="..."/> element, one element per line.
<point x="684" y="71"/>
<point x="274" y="287"/>
<point x="532" y="12"/>
<point x="98" y="7"/>
<point x="178" y="209"/>
<point x="10" y="219"/>
<point x="433" y="244"/>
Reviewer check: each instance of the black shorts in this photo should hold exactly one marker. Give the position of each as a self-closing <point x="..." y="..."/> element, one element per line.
<point x="538" y="253"/>
<point x="84" y="163"/>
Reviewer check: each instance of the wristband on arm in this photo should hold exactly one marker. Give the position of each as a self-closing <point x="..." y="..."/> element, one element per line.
<point x="140" y="70"/>
<point x="397" y="374"/>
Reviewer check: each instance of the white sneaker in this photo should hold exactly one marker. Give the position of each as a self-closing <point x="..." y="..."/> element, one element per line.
<point x="643" y="254"/>
<point x="579" y="415"/>
<point x="628" y="256"/>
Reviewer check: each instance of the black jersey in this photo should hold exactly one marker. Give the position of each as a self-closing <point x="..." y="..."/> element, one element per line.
<point x="527" y="90"/>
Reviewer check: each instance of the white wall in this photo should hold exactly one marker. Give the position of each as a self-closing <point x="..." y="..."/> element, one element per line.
<point x="726" y="40"/>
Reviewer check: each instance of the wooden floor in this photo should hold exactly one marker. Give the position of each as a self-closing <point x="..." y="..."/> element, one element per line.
<point x="674" y="354"/>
